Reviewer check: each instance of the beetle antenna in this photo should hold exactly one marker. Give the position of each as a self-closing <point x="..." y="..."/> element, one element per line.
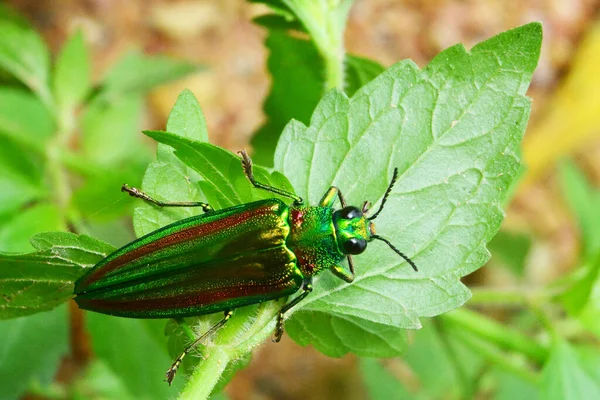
<point x="385" y="196"/>
<point x="401" y="254"/>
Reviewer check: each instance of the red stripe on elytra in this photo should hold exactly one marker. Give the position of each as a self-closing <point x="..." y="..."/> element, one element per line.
<point x="174" y="239"/>
<point x="177" y="302"/>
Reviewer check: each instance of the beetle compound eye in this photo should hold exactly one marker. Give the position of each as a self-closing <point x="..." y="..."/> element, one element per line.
<point x="355" y="246"/>
<point x="350" y="212"/>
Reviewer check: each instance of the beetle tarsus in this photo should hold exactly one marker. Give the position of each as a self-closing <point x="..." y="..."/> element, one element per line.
<point x="307" y="288"/>
<point x="135" y="192"/>
<point x="248" y="171"/>
<point x="172" y="371"/>
<point x="170" y="374"/>
<point x="278" y="328"/>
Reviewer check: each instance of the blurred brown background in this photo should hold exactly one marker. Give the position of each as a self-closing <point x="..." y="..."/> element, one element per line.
<point x="221" y="36"/>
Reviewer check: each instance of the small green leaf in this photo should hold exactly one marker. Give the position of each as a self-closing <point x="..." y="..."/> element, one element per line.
<point x="72" y="73"/>
<point x="100" y="198"/>
<point x="109" y="130"/>
<point x="566" y="376"/>
<point x="510" y="387"/>
<point x="511" y="250"/>
<point x="381" y="384"/>
<point x="359" y="72"/>
<point x="137" y="73"/>
<point x="583" y="200"/>
<point x="100" y="382"/>
<point x="15" y="233"/>
<point x="31" y="350"/>
<point x="278" y="22"/>
<point x="24" y="119"/>
<point x="129" y="348"/>
<point x="9" y="14"/>
<point x="168" y="178"/>
<point x="21" y="177"/>
<point x="41" y="280"/>
<point x="224" y="182"/>
<point x="453" y="130"/>
<point x="24" y="54"/>
<point x="297" y="86"/>
<point x="347" y="335"/>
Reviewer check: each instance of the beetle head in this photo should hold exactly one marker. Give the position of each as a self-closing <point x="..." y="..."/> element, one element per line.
<point x="354" y="229"/>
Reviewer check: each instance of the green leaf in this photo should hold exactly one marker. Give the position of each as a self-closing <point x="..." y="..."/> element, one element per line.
<point x="100" y="198"/>
<point x="30" y="350"/>
<point x="511" y="250"/>
<point x="297" y="86"/>
<point x="169" y="179"/>
<point x="41" y="280"/>
<point x="381" y="384"/>
<point x="453" y="130"/>
<point x="24" y="119"/>
<point x="432" y="346"/>
<point x="565" y="376"/>
<point x="510" y="387"/>
<point x="129" y="348"/>
<point x="224" y="183"/>
<point x="279" y="22"/>
<point x="15" y="233"/>
<point x="109" y="130"/>
<point x="72" y="73"/>
<point x="137" y="73"/>
<point x="21" y="177"/>
<point x="9" y="14"/>
<point x="24" y="55"/>
<point x="359" y="72"/>
<point x="100" y="382"/>
<point x="583" y="199"/>
<point x="347" y="334"/>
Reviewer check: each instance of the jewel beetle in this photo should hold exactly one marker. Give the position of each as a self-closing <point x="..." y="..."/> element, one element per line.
<point x="224" y="259"/>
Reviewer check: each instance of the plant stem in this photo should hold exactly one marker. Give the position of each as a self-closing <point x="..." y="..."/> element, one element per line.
<point x="494" y="332"/>
<point x="206" y="374"/>
<point x="334" y="69"/>
<point x="325" y="23"/>
<point x="248" y="328"/>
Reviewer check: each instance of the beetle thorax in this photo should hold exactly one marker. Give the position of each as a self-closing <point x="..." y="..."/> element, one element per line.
<point x="312" y="238"/>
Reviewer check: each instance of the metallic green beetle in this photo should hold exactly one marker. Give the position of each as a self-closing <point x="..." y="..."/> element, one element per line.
<point x="230" y="258"/>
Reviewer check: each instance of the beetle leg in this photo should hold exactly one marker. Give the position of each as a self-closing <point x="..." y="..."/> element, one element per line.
<point x="247" y="165"/>
<point x="173" y="368"/>
<point x="342" y="273"/>
<point x="307" y="288"/>
<point x="134" y="192"/>
<point x="329" y="197"/>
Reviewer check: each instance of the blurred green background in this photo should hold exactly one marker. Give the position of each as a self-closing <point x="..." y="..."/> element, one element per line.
<point x="550" y="238"/>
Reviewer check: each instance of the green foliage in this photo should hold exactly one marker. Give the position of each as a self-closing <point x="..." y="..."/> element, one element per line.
<point x="381" y="384"/>
<point x="297" y="86"/>
<point x="30" y="350"/>
<point x="461" y="104"/>
<point x="24" y="55"/>
<point x="72" y="73"/>
<point x="511" y="250"/>
<point x="40" y="281"/>
<point x="135" y="350"/>
<point x="567" y="375"/>
<point x="453" y="130"/>
<point x="582" y="299"/>
<point x="48" y="184"/>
